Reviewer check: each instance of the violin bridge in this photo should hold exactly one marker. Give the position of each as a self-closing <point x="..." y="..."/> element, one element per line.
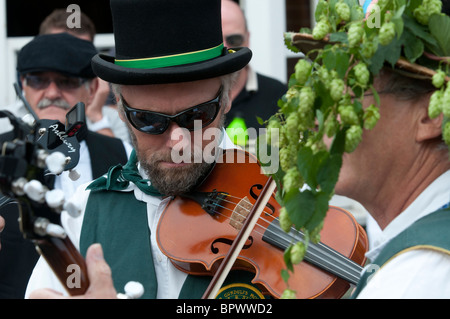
<point x="240" y="213"/>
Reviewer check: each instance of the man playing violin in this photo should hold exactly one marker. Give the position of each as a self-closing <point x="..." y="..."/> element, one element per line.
<point x="172" y="78"/>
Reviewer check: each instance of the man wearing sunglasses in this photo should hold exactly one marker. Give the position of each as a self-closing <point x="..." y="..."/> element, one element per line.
<point x="172" y="77"/>
<point x="56" y="74"/>
<point x="254" y="95"/>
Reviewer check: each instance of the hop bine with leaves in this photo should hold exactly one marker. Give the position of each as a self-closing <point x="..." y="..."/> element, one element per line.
<point x="344" y="52"/>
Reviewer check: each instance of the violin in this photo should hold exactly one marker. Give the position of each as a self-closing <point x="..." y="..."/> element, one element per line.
<point x="196" y="231"/>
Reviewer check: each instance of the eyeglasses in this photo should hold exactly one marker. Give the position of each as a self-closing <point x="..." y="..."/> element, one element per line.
<point x="157" y="123"/>
<point x="234" y="40"/>
<point x="40" y="82"/>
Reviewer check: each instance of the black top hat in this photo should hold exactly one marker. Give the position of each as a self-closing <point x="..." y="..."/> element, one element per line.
<point x="168" y="41"/>
<point x="61" y="53"/>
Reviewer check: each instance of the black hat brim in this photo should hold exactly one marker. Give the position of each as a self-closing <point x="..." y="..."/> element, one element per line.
<point x="104" y="67"/>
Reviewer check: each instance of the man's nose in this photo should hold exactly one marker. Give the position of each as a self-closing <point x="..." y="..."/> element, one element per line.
<point x="52" y="91"/>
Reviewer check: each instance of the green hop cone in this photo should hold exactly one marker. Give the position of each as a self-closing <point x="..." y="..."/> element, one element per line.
<point x="291" y="125"/>
<point x="355" y="35"/>
<point x="362" y="74"/>
<point x="343" y="10"/>
<point x="387" y="33"/>
<point x="321" y="29"/>
<point x="446" y="133"/>
<point x="368" y="49"/>
<point x="424" y="11"/>
<point x="445" y="102"/>
<point x="298" y="252"/>
<point x="302" y="71"/>
<point x="287" y="157"/>
<point x="292" y="179"/>
<point x="331" y="126"/>
<point x="353" y="137"/>
<point x="285" y="221"/>
<point x="348" y="115"/>
<point x="288" y="294"/>
<point x="307" y="97"/>
<point x="435" y="106"/>
<point x="438" y="79"/>
<point x="337" y="87"/>
<point x="273" y="131"/>
<point x="371" y="117"/>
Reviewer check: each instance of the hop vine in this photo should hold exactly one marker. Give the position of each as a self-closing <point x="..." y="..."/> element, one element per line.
<point x="326" y="102"/>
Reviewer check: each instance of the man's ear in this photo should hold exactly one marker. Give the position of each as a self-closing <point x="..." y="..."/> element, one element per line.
<point x="428" y="128"/>
<point x="93" y="87"/>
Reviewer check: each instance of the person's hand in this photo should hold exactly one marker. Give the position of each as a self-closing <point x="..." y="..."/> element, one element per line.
<point x="2" y="226"/>
<point x="99" y="273"/>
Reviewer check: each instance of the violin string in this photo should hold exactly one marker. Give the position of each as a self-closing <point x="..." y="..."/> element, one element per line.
<point x="340" y="259"/>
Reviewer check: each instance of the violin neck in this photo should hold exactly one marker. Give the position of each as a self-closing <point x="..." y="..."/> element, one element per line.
<point x="319" y="255"/>
<point x="66" y="262"/>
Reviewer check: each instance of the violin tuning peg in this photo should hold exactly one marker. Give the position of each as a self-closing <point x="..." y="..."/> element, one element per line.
<point x="133" y="290"/>
<point x="74" y="175"/>
<point x="55" y="198"/>
<point x="35" y="190"/>
<point x="72" y="208"/>
<point x="56" y="162"/>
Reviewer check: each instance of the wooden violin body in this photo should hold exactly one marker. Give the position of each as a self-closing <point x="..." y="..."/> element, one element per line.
<point x="197" y="241"/>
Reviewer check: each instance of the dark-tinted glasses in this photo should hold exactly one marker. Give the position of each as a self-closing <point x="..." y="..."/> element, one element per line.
<point x="234" y="40"/>
<point x="41" y="82"/>
<point x="157" y="123"/>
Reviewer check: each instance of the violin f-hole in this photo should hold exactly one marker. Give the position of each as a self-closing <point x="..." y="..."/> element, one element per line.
<point x="229" y="242"/>
<point x="255" y="196"/>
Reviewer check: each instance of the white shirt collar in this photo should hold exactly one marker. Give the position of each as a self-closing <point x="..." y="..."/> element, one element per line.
<point x="436" y="195"/>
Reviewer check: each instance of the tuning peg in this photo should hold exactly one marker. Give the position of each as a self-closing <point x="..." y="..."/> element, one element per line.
<point x="74" y="175"/>
<point x="35" y="190"/>
<point x="133" y="290"/>
<point x="72" y="208"/>
<point x="55" y="198"/>
<point x="56" y="162"/>
<point x="43" y="227"/>
<point x="29" y="119"/>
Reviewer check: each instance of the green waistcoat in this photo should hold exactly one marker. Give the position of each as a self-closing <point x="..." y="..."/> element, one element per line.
<point x="429" y="232"/>
<point x="119" y="223"/>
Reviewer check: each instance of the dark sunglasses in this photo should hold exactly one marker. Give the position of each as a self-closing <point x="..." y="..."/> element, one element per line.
<point x="157" y="123"/>
<point x="234" y="40"/>
<point x="40" y="82"/>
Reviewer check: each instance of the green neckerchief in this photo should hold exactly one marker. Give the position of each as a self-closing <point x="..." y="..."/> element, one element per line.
<point x="119" y="177"/>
